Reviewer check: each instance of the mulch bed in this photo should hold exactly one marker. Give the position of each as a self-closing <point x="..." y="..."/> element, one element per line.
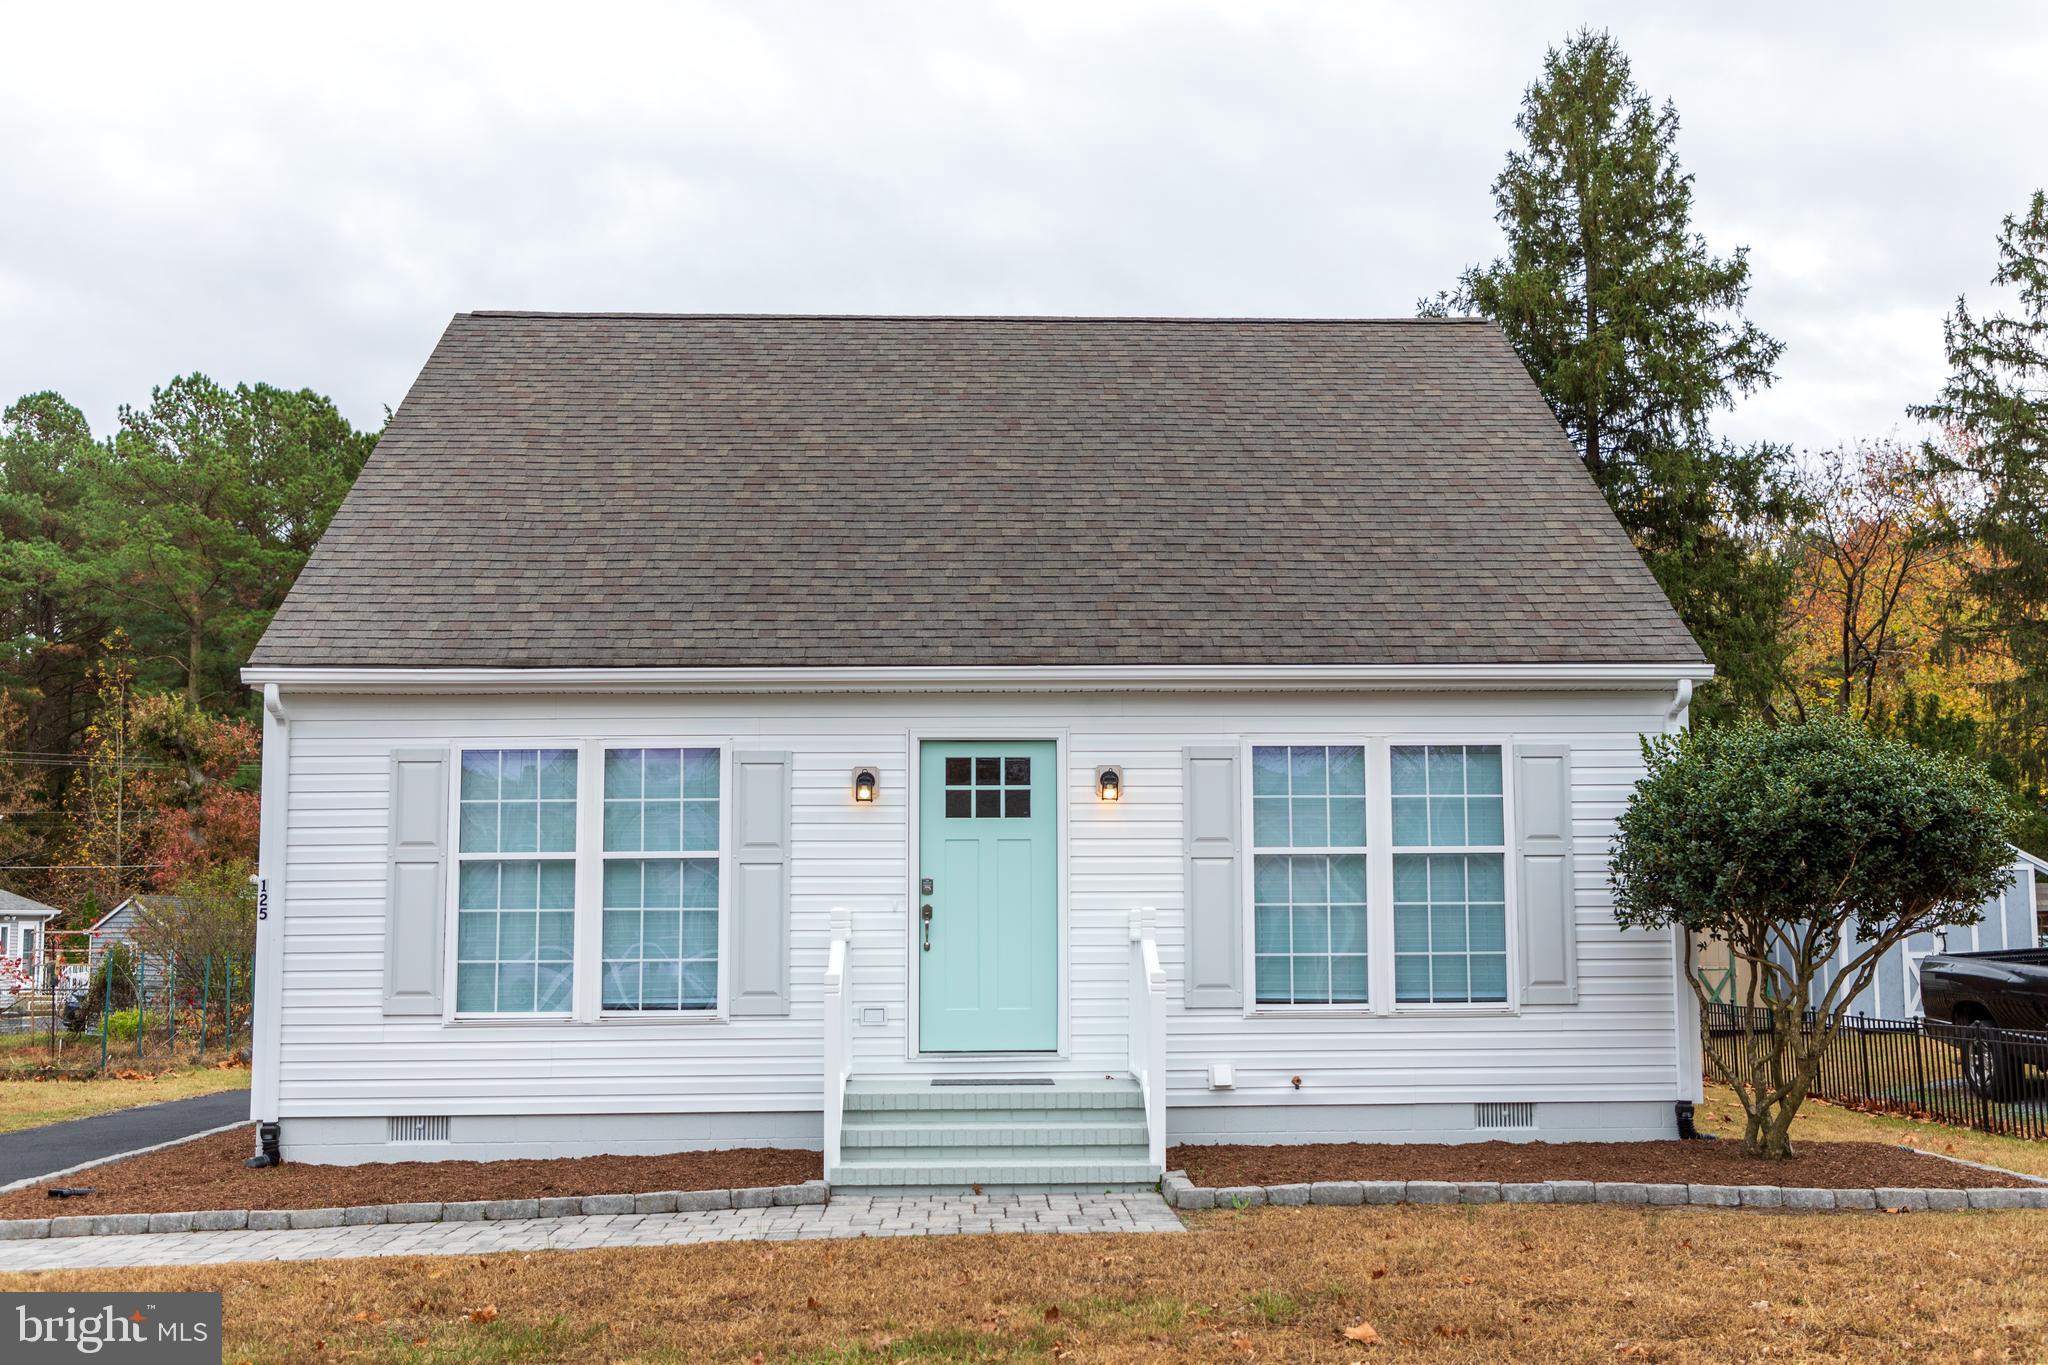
<point x="208" y="1174"/>
<point x="1818" y="1165"/>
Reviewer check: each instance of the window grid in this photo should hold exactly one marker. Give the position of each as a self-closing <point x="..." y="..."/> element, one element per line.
<point x="1309" y="903"/>
<point x="659" y="935"/>
<point x="988" y="788"/>
<point x="515" y="917"/>
<point x="1450" y="895"/>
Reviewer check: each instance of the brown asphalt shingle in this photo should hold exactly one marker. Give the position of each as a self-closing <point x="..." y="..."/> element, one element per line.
<point x="699" y="491"/>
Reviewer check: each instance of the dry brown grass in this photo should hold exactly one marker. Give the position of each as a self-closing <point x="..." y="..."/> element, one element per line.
<point x="1456" y="1284"/>
<point x="30" y="1104"/>
<point x="1819" y="1121"/>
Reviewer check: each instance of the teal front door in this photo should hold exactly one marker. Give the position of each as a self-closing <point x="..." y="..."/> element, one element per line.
<point x="988" y="908"/>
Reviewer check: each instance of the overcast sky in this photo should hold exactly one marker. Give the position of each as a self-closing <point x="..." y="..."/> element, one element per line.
<point x="266" y="195"/>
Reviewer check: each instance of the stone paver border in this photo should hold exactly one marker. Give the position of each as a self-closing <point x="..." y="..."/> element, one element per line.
<point x="848" y="1216"/>
<point x="1182" y="1193"/>
<point x="374" y="1215"/>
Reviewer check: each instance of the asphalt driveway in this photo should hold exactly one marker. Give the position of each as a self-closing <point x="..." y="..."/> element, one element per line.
<point x="59" y="1146"/>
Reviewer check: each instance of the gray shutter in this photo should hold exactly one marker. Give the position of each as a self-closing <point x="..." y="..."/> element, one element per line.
<point x="760" y="890"/>
<point x="1214" y="976"/>
<point x="1543" y="844"/>
<point x="416" y="895"/>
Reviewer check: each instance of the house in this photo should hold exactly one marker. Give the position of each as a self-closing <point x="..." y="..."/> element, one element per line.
<point x="24" y="931"/>
<point x="2007" y="920"/>
<point x="118" y="925"/>
<point x="908" y="736"/>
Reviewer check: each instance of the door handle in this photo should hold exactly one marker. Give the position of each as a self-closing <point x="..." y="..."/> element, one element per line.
<point x="924" y="914"/>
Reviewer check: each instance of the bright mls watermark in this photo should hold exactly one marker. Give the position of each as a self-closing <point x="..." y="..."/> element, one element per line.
<point x="163" y="1329"/>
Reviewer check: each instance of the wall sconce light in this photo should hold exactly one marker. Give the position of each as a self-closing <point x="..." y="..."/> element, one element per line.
<point x="1109" y="783"/>
<point x="866" y="783"/>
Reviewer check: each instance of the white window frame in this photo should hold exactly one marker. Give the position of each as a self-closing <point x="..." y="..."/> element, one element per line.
<point x="452" y="893"/>
<point x="1375" y="836"/>
<point x="1511" y="910"/>
<point x="590" y="983"/>
<point x="1379" y="854"/>
<point x="1253" y="1004"/>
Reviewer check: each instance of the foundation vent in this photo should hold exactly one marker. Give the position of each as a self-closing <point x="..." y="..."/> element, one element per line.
<point x="1505" y="1114"/>
<point x="418" y="1129"/>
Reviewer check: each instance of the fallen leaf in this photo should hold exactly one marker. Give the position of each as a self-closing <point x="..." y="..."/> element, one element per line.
<point x="487" y="1313"/>
<point x="1241" y="1344"/>
<point x="1468" y="1279"/>
<point x="812" y="1303"/>
<point x="419" y="1341"/>
<point x="1052" y="1314"/>
<point x="369" y="1315"/>
<point x="1379" y="1272"/>
<point x="1363" y="1332"/>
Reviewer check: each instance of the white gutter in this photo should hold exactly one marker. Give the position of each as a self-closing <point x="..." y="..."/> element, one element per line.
<point x="1055" y="678"/>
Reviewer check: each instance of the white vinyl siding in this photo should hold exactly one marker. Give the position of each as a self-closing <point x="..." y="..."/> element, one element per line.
<point x="340" y="1055"/>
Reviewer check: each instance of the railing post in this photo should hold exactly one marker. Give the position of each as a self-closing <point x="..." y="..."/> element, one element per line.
<point x="838" y="1042"/>
<point x="1148" y="1029"/>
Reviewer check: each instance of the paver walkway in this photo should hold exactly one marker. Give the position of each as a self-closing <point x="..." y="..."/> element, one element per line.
<point x="845" y="1216"/>
<point x="59" y="1146"/>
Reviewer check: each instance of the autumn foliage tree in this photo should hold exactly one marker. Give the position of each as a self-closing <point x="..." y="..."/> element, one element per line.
<point x="1878" y="578"/>
<point x="166" y="789"/>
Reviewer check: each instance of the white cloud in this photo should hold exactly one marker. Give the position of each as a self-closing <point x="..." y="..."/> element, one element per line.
<point x="273" y="193"/>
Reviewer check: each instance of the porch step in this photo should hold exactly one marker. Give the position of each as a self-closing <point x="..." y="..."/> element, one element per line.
<point x="994" y="1177"/>
<point x="866" y="1095"/>
<point x="904" y="1135"/>
<point x="1061" y="1132"/>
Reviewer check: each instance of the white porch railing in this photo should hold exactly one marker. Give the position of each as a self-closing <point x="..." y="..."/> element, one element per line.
<point x="1148" y="1029"/>
<point x="838" y="1034"/>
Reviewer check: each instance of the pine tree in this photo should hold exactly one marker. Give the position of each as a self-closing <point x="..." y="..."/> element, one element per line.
<point x="1995" y="406"/>
<point x="1633" y="331"/>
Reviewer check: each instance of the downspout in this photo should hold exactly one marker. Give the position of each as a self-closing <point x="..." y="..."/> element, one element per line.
<point x="1675" y="714"/>
<point x="266" y="1033"/>
<point x="1687" y="1024"/>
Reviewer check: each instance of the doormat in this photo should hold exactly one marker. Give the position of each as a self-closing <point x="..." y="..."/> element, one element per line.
<point x="993" y="1080"/>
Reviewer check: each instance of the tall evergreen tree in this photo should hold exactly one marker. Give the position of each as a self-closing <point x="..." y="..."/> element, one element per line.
<point x="1633" y="330"/>
<point x="46" y="637"/>
<point x="1995" y="404"/>
<point x="200" y="513"/>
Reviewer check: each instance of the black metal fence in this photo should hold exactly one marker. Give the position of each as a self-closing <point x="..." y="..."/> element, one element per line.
<point x="1970" y="1075"/>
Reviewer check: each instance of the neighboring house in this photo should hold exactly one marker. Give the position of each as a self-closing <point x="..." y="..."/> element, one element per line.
<point x="904" y="736"/>
<point x="24" y="933"/>
<point x="118" y="925"/>
<point x="1894" y="991"/>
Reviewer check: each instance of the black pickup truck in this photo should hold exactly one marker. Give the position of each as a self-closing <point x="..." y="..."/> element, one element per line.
<point x="1997" y="1004"/>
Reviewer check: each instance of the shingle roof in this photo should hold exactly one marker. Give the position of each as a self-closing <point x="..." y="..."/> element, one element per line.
<point x="21" y="907"/>
<point x="563" y="490"/>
